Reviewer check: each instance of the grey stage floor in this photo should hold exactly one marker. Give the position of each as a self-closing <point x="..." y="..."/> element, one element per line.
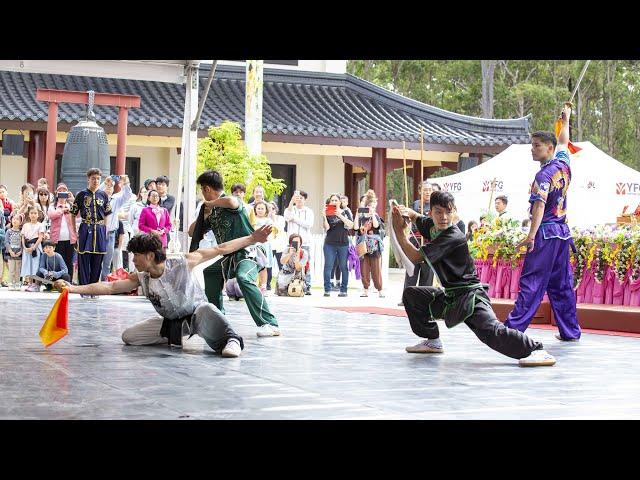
<point x="327" y="365"/>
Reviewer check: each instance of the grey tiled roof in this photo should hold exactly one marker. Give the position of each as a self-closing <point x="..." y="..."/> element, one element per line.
<point x="323" y="105"/>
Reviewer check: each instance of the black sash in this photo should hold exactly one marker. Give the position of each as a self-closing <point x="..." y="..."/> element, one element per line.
<point x="172" y="329"/>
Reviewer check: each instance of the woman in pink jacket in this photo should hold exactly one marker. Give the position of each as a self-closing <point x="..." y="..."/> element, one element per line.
<point x="63" y="226"/>
<point x="154" y="219"/>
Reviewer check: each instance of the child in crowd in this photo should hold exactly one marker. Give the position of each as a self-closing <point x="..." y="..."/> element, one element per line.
<point x="52" y="266"/>
<point x="32" y="236"/>
<point x="261" y="218"/>
<point x="13" y="246"/>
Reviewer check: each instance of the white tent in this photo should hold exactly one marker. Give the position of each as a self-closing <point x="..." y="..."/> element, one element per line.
<point x="600" y="186"/>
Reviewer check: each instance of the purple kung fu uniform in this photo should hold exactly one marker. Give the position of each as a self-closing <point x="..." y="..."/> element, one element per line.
<point x="546" y="268"/>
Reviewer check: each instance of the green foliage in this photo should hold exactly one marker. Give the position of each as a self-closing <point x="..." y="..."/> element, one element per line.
<point x="442" y="172"/>
<point x="608" y="98"/>
<point x="224" y="151"/>
<point x="395" y="186"/>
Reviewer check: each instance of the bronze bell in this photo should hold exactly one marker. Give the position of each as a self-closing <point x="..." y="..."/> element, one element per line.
<point x="86" y="147"/>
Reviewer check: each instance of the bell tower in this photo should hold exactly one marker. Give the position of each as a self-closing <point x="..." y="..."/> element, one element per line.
<point x="86" y="144"/>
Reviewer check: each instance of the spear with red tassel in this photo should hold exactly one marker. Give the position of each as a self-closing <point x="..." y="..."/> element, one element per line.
<point x="572" y="148"/>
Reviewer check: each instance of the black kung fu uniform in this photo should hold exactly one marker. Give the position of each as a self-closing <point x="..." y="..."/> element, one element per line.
<point x="93" y="207"/>
<point x="464" y="299"/>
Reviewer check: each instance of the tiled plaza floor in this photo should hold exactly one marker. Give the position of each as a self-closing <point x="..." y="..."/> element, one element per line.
<point x="327" y="365"/>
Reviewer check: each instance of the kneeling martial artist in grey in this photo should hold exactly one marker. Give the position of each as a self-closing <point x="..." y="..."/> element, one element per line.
<point x="169" y="284"/>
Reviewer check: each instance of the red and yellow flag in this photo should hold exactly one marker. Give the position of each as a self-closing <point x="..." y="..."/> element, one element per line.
<point x="55" y="326"/>
<point x="572" y="148"/>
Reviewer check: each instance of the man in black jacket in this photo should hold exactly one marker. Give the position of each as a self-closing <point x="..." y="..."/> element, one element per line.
<point x="167" y="201"/>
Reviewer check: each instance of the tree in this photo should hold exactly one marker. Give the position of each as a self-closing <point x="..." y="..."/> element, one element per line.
<point x="224" y="151"/>
<point x="488" y="70"/>
<point x="607" y="103"/>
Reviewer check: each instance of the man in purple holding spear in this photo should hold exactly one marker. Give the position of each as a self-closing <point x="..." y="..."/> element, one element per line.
<point x="546" y="264"/>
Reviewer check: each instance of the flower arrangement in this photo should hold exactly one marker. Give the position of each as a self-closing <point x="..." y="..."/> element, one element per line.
<point x="606" y="245"/>
<point x="499" y="237"/>
<point x="597" y="248"/>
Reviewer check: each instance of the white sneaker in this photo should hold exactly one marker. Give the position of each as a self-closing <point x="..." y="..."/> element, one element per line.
<point x="267" y="330"/>
<point x="426" y="346"/>
<point x="566" y="339"/>
<point x="538" y="358"/>
<point x="365" y="293"/>
<point x="232" y="349"/>
<point x="380" y="294"/>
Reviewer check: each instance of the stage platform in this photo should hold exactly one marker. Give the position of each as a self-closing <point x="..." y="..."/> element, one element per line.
<point x="328" y="364"/>
<point x="598" y="319"/>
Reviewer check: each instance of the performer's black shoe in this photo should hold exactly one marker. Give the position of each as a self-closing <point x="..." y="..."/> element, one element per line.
<point x="559" y="337"/>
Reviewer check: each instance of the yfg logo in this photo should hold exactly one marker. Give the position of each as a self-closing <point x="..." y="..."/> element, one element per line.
<point x="497" y="185"/>
<point x="627" y="188"/>
<point x="452" y="186"/>
<point x="591" y="185"/>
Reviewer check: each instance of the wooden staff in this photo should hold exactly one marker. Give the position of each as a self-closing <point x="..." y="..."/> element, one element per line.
<point x="404" y="167"/>
<point x="493" y="187"/>
<point x="421" y="176"/>
<point x="575" y="89"/>
<point x="421" y="169"/>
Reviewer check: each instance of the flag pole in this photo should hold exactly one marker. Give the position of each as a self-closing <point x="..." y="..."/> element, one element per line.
<point x="421" y="176"/>
<point x="404" y="169"/>
<point x="421" y="168"/>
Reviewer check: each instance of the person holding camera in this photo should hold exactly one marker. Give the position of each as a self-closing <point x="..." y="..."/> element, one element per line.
<point x="369" y="235"/>
<point x="335" y="272"/>
<point x="116" y="200"/>
<point x="337" y="224"/>
<point x="299" y="220"/>
<point x="63" y="227"/>
<point x="294" y="263"/>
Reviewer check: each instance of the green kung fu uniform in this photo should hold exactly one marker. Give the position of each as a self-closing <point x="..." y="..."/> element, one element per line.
<point x="463" y="298"/>
<point x="228" y="224"/>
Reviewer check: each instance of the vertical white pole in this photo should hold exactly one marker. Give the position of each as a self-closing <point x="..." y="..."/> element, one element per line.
<point x="188" y="159"/>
